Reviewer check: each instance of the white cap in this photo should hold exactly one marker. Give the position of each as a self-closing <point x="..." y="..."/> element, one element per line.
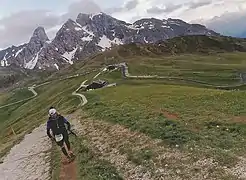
<point x="52" y="111"/>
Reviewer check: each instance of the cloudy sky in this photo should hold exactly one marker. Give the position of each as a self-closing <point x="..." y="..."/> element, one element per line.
<point x="18" y="18"/>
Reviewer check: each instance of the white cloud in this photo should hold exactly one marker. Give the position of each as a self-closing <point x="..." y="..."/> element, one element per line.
<point x="232" y="24"/>
<point x="17" y="28"/>
<point x="85" y="6"/>
<point x="224" y="16"/>
<point x="188" y="10"/>
<point x="51" y="32"/>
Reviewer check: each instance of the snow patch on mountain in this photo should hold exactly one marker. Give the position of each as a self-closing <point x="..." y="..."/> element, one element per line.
<point x="57" y="67"/>
<point x="175" y="23"/>
<point x="132" y="26"/>
<point x="31" y="64"/>
<point x="4" y="63"/>
<point x="145" y="40"/>
<point x="69" y="56"/>
<point x="87" y="31"/>
<point x="87" y="38"/>
<point x="18" y="52"/>
<point x="105" y="42"/>
<point x="78" y="29"/>
<point x="92" y="33"/>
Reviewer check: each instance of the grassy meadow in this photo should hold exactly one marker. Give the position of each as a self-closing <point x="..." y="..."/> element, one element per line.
<point x="187" y="117"/>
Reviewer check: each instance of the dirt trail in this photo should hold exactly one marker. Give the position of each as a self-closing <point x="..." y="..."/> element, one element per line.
<point x="116" y="144"/>
<point x="28" y="160"/>
<point x="68" y="170"/>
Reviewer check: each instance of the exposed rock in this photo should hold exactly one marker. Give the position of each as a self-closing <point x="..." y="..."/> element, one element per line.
<point x="90" y="34"/>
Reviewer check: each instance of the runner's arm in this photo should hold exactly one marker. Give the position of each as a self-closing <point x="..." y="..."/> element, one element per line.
<point x="48" y="130"/>
<point x="68" y="124"/>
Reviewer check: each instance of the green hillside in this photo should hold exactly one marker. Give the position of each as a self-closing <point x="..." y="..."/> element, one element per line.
<point x="177" y="121"/>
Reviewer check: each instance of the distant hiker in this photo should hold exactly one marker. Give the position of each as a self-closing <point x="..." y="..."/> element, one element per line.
<point x="57" y="124"/>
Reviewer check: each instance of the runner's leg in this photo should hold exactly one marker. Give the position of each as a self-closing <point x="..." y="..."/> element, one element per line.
<point x="66" y="139"/>
<point x="63" y="148"/>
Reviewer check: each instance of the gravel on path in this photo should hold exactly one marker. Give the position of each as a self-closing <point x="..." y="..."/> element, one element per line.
<point x="30" y="159"/>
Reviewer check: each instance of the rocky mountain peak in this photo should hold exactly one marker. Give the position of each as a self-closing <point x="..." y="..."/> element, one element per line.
<point x="83" y="19"/>
<point x="69" y="22"/>
<point x="176" y="21"/>
<point x="92" y="33"/>
<point x="39" y="34"/>
<point x="105" y="18"/>
<point x="147" y="20"/>
<point x="68" y="25"/>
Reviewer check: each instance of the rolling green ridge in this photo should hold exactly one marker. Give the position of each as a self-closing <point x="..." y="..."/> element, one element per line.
<point x="184" y="115"/>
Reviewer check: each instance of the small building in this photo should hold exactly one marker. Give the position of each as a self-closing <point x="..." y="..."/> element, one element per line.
<point x="96" y="85"/>
<point x="111" y="67"/>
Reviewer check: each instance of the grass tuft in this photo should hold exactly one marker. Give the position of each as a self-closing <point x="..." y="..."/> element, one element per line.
<point x="89" y="165"/>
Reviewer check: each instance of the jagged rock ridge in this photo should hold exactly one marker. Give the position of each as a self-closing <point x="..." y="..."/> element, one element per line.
<point x="89" y="34"/>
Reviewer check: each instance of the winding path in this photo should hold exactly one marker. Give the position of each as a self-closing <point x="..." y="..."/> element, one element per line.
<point x="30" y="158"/>
<point x="84" y="100"/>
<point x="126" y="73"/>
<point x="69" y="171"/>
<point x="82" y="97"/>
<point x="102" y="140"/>
<point x="30" y="89"/>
